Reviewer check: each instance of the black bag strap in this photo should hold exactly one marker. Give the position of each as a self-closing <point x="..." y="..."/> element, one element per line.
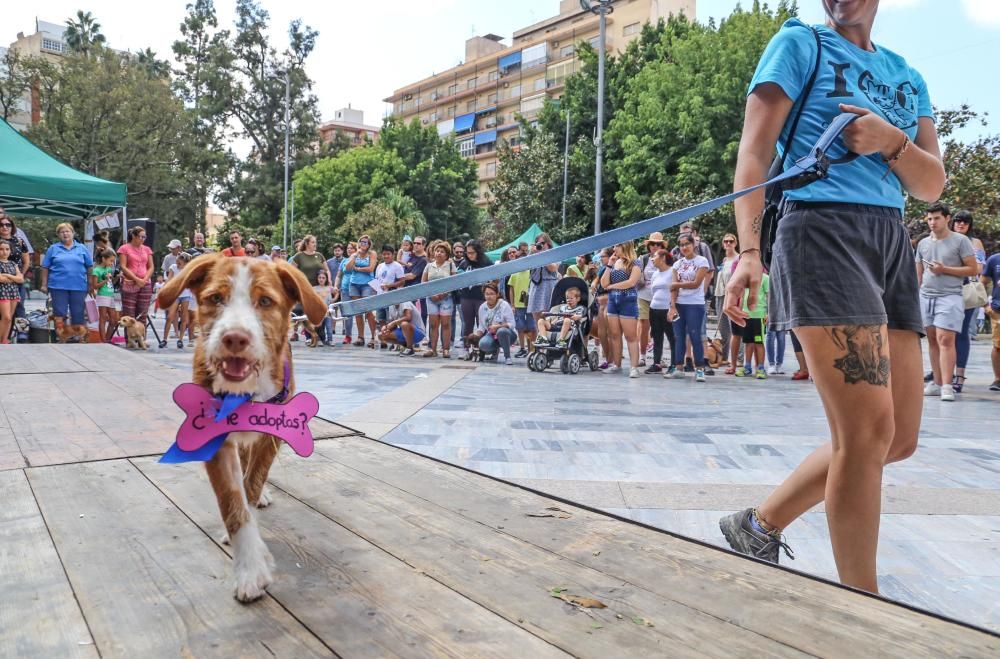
<point x="778" y="165"/>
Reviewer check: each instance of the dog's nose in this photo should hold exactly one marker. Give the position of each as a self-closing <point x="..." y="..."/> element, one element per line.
<point x="236" y="341"/>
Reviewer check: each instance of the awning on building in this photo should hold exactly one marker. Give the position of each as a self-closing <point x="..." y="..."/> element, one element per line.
<point x="485" y="110"/>
<point x="465" y="122"/>
<point x="486" y="137"/>
<point x="508" y="61"/>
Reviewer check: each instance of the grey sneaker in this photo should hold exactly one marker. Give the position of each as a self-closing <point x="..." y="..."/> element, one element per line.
<point x="742" y="537"/>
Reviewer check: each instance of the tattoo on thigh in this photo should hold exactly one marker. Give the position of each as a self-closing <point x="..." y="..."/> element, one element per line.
<point x="865" y="360"/>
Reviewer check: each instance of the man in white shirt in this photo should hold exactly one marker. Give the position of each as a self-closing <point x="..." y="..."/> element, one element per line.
<point x="388" y="275"/>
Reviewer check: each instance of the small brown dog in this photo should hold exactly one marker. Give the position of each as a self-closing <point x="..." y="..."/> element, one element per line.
<point x="300" y="323"/>
<point x="65" y="332"/>
<point x="714" y="353"/>
<point x="135" y="333"/>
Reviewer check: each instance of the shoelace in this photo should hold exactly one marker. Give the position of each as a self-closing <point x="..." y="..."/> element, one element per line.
<point x="779" y="540"/>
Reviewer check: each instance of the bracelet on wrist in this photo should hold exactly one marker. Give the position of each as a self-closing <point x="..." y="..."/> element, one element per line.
<point x="894" y="158"/>
<point x="750" y="249"/>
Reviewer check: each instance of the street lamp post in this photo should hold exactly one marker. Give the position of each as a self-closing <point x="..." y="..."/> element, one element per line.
<point x="602" y="8"/>
<point x="287" y="127"/>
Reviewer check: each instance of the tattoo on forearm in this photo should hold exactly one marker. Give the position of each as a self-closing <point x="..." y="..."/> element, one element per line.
<point x="866" y="359"/>
<point x="756" y="224"/>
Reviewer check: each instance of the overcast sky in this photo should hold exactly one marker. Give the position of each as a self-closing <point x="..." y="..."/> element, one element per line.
<point x="366" y="50"/>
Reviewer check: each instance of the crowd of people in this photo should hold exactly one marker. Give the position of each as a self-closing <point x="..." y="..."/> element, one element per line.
<point x="649" y="306"/>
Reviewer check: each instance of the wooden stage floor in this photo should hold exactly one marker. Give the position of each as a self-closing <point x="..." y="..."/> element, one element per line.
<point x="379" y="552"/>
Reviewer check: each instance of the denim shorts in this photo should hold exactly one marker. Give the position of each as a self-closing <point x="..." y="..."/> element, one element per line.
<point x="361" y="290"/>
<point x="443" y="307"/>
<point x="624" y="304"/>
<point x="843" y="264"/>
<point x="524" y="321"/>
<point x="418" y="336"/>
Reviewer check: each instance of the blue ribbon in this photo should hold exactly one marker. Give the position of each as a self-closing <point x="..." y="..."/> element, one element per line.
<point x="812" y="167"/>
<point x="175" y="454"/>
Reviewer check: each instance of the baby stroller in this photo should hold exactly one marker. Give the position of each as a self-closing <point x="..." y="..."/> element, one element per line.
<point x="575" y="354"/>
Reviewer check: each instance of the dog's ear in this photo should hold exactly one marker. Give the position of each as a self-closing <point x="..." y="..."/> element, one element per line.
<point x="193" y="276"/>
<point x="299" y="289"/>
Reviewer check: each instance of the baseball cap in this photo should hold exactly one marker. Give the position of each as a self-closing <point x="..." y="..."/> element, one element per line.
<point x="173" y="243"/>
<point x="276" y="248"/>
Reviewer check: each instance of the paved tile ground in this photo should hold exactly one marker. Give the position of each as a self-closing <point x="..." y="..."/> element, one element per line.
<point x="678" y="455"/>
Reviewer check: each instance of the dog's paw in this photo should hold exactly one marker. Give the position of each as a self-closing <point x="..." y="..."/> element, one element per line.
<point x="224" y="539"/>
<point x="265" y="497"/>
<point x="254" y="564"/>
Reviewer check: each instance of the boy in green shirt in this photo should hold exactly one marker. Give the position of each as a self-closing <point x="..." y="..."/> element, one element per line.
<point x="753" y="332"/>
<point x="524" y="322"/>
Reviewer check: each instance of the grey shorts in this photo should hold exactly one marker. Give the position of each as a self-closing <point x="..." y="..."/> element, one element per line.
<point x="843" y="264"/>
<point x="945" y="312"/>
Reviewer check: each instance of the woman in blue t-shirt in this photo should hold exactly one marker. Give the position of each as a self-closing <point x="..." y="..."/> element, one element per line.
<point x="65" y="271"/>
<point x="842" y="274"/>
<point x="361" y="267"/>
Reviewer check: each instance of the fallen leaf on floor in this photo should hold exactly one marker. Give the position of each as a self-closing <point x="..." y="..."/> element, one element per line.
<point x="556" y="591"/>
<point x="642" y="621"/>
<point x="585" y="602"/>
<point x="551" y="511"/>
<point x="597" y="553"/>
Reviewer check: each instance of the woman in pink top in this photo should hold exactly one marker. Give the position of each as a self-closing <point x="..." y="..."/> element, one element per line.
<point x="137" y="269"/>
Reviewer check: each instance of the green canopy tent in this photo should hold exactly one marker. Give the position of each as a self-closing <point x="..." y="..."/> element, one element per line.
<point x="35" y="184"/>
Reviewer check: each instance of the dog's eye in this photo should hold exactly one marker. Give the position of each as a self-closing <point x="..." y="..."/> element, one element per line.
<point x="216" y="298"/>
<point x="265" y="301"/>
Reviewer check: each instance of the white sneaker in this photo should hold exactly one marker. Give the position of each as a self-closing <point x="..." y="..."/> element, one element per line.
<point x="781" y="371"/>
<point x="508" y="361"/>
<point x="933" y="389"/>
<point x="772" y="370"/>
<point x="634" y="373"/>
<point x="612" y="369"/>
<point x="947" y="393"/>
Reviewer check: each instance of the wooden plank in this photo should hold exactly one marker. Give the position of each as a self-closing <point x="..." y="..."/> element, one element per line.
<point x="818" y="618"/>
<point x="38" y="615"/>
<point x="149" y="582"/>
<point x="114" y="402"/>
<point x="50" y="428"/>
<point x="360" y="600"/>
<point x="509" y="576"/>
<point x="35" y="358"/>
<point x="102" y="357"/>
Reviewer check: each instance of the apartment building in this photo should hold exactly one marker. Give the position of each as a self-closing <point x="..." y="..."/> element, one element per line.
<point x="476" y="102"/>
<point x="48" y="42"/>
<point x="349" y="122"/>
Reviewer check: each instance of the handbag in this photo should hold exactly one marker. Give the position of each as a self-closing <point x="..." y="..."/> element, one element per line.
<point x="774" y="193"/>
<point x="974" y="295"/>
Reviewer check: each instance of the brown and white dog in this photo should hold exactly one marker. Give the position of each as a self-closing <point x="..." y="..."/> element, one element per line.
<point x="135" y="333"/>
<point x="244" y="311"/>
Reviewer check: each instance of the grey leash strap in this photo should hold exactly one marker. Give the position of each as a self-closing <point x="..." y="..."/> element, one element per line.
<point x="808" y="169"/>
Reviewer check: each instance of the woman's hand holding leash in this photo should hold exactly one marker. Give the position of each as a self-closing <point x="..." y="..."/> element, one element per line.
<point x="871" y="133"/>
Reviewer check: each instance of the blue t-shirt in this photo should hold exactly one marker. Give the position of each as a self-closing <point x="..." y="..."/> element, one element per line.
<point x="345" y="276"/>
<point x="880" y="81"/>
<point x="359" y="278"/>
<point x="992" y="270"/>
<point x="68" y="266"/>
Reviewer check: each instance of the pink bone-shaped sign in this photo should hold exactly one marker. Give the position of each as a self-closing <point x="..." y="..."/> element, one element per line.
<point x="288" y="421"/>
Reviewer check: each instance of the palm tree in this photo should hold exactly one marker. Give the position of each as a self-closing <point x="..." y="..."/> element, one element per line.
<point x="83" y="33"/>
<point x="156" y="68"/>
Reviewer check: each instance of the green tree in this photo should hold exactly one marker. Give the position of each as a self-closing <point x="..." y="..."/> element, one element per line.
<point x="330" y="190"/>
<point x="105" y="115"/>
<point x="528" y="187"/>
<point x="83" y="34"/>
<point x="380" y="220"/>
<point x="678" y="128"/>
<point x="156" y="68"/>
<point x="15" y="81"/>
<point x="439" y="179"/>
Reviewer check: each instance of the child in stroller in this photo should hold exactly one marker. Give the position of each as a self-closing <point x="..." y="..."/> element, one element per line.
<point x="563" y="331"/>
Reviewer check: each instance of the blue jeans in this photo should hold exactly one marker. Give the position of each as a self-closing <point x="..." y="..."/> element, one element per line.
<point x="326" y="329"/>
<point x="775" y="343"/>
<point x="505" y="336"/>
<point x="963" y="342"/>
<point x="71" y="301"/>
<point x="688" y="326"/>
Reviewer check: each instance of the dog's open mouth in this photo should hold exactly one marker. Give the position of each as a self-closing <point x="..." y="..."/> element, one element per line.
<point x="236" y="369"/>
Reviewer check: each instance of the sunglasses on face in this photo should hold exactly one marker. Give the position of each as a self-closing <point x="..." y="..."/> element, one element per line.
<point x="655" y="242"/>
<point x="6" y="224"/>
<point x="728" y="242"/>
<point x="418" y="242"/>
<point x="962" y="221"/>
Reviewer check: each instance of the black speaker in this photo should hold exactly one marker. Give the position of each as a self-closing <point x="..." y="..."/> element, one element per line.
<point x="147" y="224"/>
